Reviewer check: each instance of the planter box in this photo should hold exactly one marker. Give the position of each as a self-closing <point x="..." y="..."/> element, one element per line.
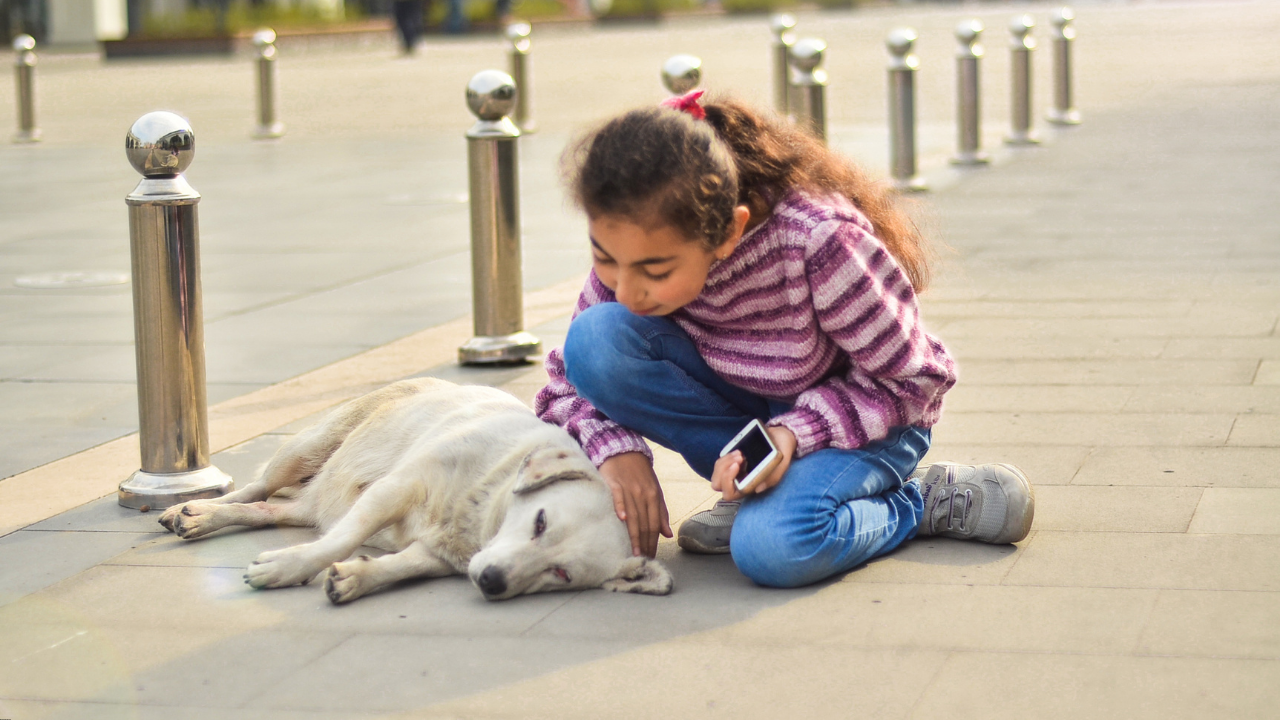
<point x="156" y="47"/>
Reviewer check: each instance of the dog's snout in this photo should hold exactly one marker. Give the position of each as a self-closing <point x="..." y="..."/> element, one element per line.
<point x="492" y="581"/>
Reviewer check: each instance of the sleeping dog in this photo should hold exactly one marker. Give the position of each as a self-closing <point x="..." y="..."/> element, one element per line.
<point x="447" y="479"/>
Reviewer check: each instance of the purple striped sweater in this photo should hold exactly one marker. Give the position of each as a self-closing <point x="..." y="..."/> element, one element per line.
<point x="810" y="309"/>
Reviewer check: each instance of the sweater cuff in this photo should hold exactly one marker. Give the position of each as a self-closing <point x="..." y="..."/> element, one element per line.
<point x="809" y="427"/>
<point x="602" y="445"/>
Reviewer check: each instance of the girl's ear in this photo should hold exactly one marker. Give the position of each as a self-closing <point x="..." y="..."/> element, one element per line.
<point x="741" y="214"/>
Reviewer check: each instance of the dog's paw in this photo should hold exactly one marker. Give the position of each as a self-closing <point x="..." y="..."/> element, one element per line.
<point x="342" y="582"/>
<point x="188" y="520"/>
<point x="280" y="568"/>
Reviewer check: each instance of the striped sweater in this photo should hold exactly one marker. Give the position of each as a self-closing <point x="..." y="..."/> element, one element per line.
<point x="809" y="309"/>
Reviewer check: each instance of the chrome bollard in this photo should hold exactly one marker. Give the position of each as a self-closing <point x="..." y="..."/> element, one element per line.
<point x="497" y="298"/>
<point x="168" y="322"/>
<point x="782" y="25"/>
<point x="1064" y="111"/>
<point x="1021" y="44"/>
<point x="268" y="126"/>
<point x="24" y="68"/>
<point x="518" y="35"/>
<point x="810" y="82"/>
<point x="681" y="73"/>
<point x="968" y="97"/>
<point x="902" y="110"/>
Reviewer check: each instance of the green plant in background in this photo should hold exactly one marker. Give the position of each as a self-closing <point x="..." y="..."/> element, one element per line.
<point x="239" y="17"/>
<point x="759" y="6"/>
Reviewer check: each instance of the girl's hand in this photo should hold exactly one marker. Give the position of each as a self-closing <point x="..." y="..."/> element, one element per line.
<point x="637" y="498"/>
<point x="726" y="468"/>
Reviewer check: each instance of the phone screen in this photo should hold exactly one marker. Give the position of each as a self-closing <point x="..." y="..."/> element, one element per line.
<point x="755" y="448"/>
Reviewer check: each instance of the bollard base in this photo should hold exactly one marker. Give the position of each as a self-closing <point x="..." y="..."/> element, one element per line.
<point x="160" y="490"/>
<point x="970" y="158"/>
<point x="269" y="132"/>
<point x="915" y="183"/>
<point x="26" y="136"/>
<point x="1022" y="138"/>
<point x="1063" y="117"/>
<point x="483" y="350"/>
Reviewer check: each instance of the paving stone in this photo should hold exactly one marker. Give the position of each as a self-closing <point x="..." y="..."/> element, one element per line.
<point x="1042" y="464"/>
<point x="30" y="560"/>
<point x="1149" y="560"/>
<point x="1204" y="399"/>
<point x="1218" y="348"/>
<point x="1213" y="624"/>
<point x="1256" y="431"/>
<point x="1116" y="509"/>
<point x="1238" y="511"/>
<point x="104" y="515"/>
<point x="1268" y="373"/>
<point x="1109" y="372"/>
<point x="971" y="395"/>
<point x="971" y="347"/>
<point x="991" y="685"/>
<point x="942" y="561"/>
<point x="1182" y="467"/>
<point x="1101" y="429"/>
<point x="1228" y="326"/>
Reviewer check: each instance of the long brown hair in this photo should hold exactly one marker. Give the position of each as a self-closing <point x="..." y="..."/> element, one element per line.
<point x="658" y="162"/>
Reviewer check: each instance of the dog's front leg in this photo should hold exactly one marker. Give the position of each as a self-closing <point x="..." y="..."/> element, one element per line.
<point x="383" y="503"/>
<point x="349" y="580"/>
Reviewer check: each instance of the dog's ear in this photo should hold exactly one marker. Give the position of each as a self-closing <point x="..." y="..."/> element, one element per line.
<point x="542" y="467"/>
<point x="641" y="575"/>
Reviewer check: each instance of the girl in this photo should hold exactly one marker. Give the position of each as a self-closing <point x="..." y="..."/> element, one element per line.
<point x="741" y="270"/>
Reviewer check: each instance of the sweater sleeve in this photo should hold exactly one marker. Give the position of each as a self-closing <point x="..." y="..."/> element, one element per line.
<point x="559" y="404"/>
<point x="895" y="373"/>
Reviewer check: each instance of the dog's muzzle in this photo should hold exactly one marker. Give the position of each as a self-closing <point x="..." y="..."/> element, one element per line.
<point x="492" y="581"/>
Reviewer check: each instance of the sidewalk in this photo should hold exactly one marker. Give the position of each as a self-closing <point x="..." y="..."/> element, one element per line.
<point x="1112" y="299"/>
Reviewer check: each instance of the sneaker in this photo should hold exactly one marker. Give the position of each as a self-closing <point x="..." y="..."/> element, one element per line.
<point x="707" y="533"/>
<point x="988" y="503"/>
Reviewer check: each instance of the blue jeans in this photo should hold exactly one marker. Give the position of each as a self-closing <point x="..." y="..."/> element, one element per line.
<point x="834" y="509"/>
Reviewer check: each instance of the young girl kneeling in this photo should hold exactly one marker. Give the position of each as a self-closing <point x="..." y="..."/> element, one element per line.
<point x="742" y="270"/>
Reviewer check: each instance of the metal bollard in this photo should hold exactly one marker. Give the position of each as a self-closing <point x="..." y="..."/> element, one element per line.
<point x="24" y="68"/>
<point x="968" y="98"/>
<point x="902" y="110"/>
<point x="497" y="298"/>
<point x="268" y="126"/>
<point x="681" y="73"/>
<point x="168" y="322"/>
<point x="1021" y="44"/>
<point x="810" y="82"/>
<point x="518" y="36"/>
<point x="782" y="25"/>
<point x="1064" y="111"/>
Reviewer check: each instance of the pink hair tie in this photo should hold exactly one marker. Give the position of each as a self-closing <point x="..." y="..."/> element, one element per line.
<point x="688" y="103"/>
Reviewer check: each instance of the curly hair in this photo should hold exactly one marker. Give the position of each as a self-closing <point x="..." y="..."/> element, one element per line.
<point x="658" y="166"/>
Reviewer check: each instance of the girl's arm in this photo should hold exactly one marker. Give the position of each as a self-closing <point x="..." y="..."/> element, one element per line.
<point x="897" y="373"/>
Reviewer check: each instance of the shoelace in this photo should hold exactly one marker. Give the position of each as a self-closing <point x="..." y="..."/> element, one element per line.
<point x="951" y="508"/>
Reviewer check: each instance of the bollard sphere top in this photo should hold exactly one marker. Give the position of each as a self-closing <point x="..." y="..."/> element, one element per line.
<point x="160" y="144"/>
<point x="682" y="73"/>
<point x="901" y="41"/>
<point x="781" y="23"/>
<point x="516" y="32"/>
<point x="24" y="43"/>
<point x="1021" y="25"/>
<point x="264" y="37"/>
<point x="968" y="31"/>
<point x="491" y="95"/>
<point x="806" y="54"/>
<point x="1062" y="17"/>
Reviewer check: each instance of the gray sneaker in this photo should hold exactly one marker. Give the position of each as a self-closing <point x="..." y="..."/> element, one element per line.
<point x="707" y="532"/>
<point x="988" y="503"/>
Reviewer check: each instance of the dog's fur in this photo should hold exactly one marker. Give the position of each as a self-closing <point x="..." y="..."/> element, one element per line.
<point x="448" y="479"/>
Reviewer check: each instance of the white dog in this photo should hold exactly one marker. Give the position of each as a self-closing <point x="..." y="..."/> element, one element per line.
<point x="449" y="479"/>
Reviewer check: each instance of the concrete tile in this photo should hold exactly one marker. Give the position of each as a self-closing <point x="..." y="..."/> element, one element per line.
<point x="1256" y="431"/>
<point x="972" y="395"/>
<point x="1224" y="326"/>
<point x="1149" y="560"/>
<point x="31" y="560"/>
<point x="1239" y="511"/>
<point x="923" y="617"/>
<point x="1186" y="467"/>
<point x="28" y="446"/>
<point x="1217" y="348"/>
<point x="1116" y="509"/>
<point x="993" y="686"/>
<point x="1108" y="372"/>
<point x="1083" y="429"/>
<point x="1268" y="373"/>
<point x="941" y="561"/>
<point x="53" y="710"/>
<point x="1213" y="624"/>
<point x="103" y="515"/>
<point x="1042" y="464"/>
<point x="1069" y="309"/>
<point x="244" y="461"/>
<point x="395" y="673"/>
<point x="231" y="548"/>
<point x="1204" y="399"/>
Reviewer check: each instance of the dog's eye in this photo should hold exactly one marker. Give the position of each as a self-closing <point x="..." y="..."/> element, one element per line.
<point x="540" y="523"/>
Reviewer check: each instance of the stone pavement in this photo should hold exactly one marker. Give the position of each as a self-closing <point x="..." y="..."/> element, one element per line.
<point x="1112" y="298"/>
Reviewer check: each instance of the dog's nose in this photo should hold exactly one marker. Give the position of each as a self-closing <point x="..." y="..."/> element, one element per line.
<point x="492" y="581"/>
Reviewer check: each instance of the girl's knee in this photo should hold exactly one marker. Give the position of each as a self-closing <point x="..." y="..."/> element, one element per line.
<point x="599" y="339"/>
<point x="768" y="554"/>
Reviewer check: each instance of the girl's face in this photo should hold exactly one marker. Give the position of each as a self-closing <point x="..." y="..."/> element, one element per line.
<point x="653" y="271"/>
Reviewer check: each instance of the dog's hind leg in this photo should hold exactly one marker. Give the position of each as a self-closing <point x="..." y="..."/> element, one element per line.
<point x="349" y="580"/>
<point x="197" y="520"/>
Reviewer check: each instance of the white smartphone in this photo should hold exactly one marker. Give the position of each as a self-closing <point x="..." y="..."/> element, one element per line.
<point x="759" y="455"/>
